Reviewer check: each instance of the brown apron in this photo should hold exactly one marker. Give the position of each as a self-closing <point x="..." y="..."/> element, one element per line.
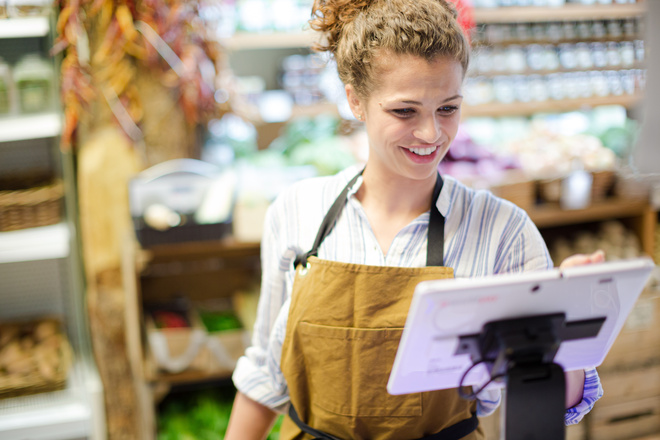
<point x="343" y="330"/>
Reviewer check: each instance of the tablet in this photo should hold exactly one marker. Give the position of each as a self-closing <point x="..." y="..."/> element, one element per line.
<point x="444" y="310"/>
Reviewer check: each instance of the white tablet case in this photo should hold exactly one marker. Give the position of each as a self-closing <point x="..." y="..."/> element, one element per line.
<point x="441" y="311"/>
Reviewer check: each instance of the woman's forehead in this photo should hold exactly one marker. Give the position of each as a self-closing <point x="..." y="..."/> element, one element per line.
<point x="402" y="77"/>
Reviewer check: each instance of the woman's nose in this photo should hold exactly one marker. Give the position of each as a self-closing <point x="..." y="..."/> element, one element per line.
<point x="428" y="130"/>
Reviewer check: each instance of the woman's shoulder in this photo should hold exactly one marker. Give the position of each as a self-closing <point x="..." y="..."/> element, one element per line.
<point x="315" y="192"/>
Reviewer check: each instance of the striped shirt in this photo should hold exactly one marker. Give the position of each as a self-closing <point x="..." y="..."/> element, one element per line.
<point x="484" y="235"/>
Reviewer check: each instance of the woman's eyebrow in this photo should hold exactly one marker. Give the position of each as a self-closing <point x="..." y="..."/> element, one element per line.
<point x="412" y="102"/>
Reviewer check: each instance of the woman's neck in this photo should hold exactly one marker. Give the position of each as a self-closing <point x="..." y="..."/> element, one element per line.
<point x="396" y="196"/>
<point x="392" y="203"/>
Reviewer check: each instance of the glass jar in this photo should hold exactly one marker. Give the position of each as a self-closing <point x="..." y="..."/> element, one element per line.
<point x="639" y="50"/>
<point x="568" y="31"/>
<point x="627" y="50"/>
<point x="5" y="87"/>
<point x="550" y="57"/>
<point x="583" y="56"/>
<point x="503" y="89"/>
<point x="584" y="30"/>
<point x="535" y="58"/>
<point x="521" y="88"/>
<point x="614" y="82"/>
<point x="33" y="77"/>
<point x="599" y="54"/>
<point x="567" y="56"/>
<point x="3" y="9"/>
<point x="555" y="86"/>
<point x="538" y="88"/>
<point x="483" y="59"/>
<point x="613" y="54"/>
<point x="627" y="81"/>
<point x="599" y="86"/>
<point x="614" y="30"/>
<point x="523" y="32"/>
<point x="515" y="58"/>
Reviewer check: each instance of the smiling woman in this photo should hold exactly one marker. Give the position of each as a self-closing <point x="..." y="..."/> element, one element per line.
<point x="341" y="255"/>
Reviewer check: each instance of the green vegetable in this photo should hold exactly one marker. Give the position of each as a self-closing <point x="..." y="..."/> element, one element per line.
<point x="202" y="415"/>
<point x="220" y="321"/>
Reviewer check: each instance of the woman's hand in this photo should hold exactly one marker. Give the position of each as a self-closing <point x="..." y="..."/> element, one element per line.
<point x="580" y="259"/>
<point x="575" y="379"/>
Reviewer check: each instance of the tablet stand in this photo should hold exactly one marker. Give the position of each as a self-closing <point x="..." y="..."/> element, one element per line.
<point x="523" y="351"/>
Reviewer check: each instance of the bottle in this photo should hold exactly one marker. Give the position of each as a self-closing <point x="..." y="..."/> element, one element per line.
<point x="33" y="77"/>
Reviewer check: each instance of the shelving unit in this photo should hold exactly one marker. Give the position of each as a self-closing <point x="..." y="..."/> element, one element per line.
<point x="39" y="267"/>
<point x="26" y="127"/>
<point x="24" y="27"/>
<point x="549" y="106"/>
<point x="569" y="12"/>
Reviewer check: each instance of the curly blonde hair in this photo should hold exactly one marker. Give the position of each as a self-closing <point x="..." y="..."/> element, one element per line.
<point x="358" y="31"/>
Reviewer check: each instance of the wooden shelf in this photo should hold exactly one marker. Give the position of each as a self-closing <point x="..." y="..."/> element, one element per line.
<point x="550" y="214"/>
<point x="497" y="109"/>
<point x="284" y="40"/>
<point x="24" y="27"/>
<point x="25" y="127"/>
<point x="638" y="213"/>
<point x="228" y="248"/>
<point x="528" y="71"/>
<point x="187" y="377"/>
<point x="564" y="13"/>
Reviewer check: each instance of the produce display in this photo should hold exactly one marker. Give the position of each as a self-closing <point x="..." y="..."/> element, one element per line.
<point x="613" y="237"/>
<point x="200" y="416"/>
<point x="218" y="321"/>
<point x="34" y="356"/>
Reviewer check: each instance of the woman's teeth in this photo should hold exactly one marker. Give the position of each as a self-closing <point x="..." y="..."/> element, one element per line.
<point x="423" y="151"/>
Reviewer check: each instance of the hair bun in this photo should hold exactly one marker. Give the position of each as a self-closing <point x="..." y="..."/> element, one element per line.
<point x="330" y="17"/>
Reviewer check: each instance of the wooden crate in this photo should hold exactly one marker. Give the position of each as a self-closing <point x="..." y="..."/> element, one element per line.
<point x="630" y="385"/>
<point x="626" y="420"/>
<point x="638" y="343"/>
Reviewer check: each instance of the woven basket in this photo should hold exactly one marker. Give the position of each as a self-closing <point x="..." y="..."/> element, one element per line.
<point x="34" y="381"/>
<point x="30" y="208"/>
<point x="521" y="193"/>
<point x="602" y="183"/>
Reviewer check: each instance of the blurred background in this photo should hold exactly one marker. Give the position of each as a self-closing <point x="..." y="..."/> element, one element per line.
<point x="141" y="142"/>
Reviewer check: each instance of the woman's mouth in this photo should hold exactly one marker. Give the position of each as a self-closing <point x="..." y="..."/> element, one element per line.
<point x="421" y="155"/>
<point x="424" y="151"/>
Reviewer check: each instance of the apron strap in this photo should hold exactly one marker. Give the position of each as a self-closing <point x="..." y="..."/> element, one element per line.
<point x="435" y="244"/>
<point x="304" y="427"/>
<point x="436" y="235"/>
<point x="328" y="222"/>
<point x="454" y="432"/>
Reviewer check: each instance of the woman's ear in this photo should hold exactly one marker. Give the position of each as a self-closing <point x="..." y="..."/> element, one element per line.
<point x="354" y="102"/>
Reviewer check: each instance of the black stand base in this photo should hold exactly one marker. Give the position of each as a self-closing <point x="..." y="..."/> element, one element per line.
<point x="535" y="402"/>
<point x="523" y="351"/>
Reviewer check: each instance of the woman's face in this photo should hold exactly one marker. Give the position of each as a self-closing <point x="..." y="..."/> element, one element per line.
<point x="412" y="115"/>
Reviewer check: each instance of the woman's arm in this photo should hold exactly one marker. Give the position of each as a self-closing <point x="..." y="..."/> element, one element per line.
<point x="249" y="420"/>
<point x="575" y="379"/>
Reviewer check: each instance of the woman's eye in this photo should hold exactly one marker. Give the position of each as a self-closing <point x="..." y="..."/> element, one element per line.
<point x="448" y="110"/>
<point x="405" y="112"/>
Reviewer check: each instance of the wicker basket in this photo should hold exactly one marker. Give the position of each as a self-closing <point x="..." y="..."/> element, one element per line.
<point x="603" y="181"/>
<point x="516" y="189"/>
<point x="30" y="208"/>
<point x="43" y="374"/>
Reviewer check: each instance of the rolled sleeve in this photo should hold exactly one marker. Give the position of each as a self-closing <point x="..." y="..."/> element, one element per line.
<point x="593" y="391"/>
<point x="256" y="374"/>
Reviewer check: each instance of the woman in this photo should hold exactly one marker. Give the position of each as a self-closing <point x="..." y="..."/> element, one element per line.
<point x="329" y="322"/>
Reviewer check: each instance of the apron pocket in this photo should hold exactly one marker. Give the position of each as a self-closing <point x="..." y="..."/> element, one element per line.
<point x="349" y="368"/>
